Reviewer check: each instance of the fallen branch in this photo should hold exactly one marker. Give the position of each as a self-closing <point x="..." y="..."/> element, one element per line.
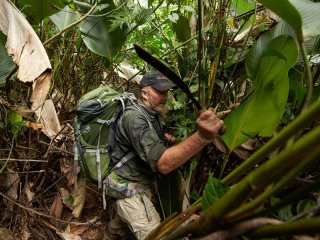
<point x="46" y="215"/>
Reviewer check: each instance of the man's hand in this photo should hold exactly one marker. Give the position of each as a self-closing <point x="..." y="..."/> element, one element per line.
<point x="208" y="125"/>
<point x="170" y="137"/>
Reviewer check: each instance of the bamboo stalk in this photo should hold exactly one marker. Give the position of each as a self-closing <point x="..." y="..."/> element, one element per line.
<point x="22" y="160"/>
<point x="272" y="170"/>
<point x="303" y="226"/>
<point x="259" y="178"/>
<point x="301" y="166"/>
<point x="302" y="121"/>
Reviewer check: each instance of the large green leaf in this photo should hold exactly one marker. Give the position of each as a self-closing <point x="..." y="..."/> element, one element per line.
<point x="169" y="193"/>
<point x="287" y="12"/>
<point x="302" y="15"/>
<point x="261" y="112"/>
<point x="64" y="18"/>
<point x="6" y="65"/>
<point x="213" y="191"/>
<point x="254" y="56"/>
<point x="309" y="12"/>
<point x="39" y="9"/>
<point x="96" y="33"/>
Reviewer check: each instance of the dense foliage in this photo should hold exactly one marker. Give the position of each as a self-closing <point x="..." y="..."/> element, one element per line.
<point x="256" y="61"/>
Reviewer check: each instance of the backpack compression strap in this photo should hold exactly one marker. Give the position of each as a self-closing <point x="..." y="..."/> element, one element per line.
<point x="122" y="161"/>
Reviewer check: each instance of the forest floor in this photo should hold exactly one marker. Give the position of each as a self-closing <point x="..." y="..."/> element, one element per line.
<point x="39" y="196"/>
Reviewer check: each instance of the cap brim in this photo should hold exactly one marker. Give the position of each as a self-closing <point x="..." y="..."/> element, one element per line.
<point x="163" y="85"/>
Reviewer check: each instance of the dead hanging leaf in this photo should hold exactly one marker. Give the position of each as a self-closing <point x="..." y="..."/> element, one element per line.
<point x="193" y="24"/>
<point x="49" y="120"/>
<point x="79" y="197"/>
<point x="56" y="207"/>
<point x="128" y="72"/>
<point x="27" y="51"/>
<point x="6" y="234"/>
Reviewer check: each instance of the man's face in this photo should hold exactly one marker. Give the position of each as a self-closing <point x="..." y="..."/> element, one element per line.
<point x="154" y="98"/>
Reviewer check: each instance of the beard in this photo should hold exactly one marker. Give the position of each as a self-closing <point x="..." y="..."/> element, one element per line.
<point x="162" y="110"/>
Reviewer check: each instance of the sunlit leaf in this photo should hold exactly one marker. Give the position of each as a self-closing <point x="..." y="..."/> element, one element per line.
<point x="64" y="18"/>
<point x="15" y="121"/>
<point x="309" y="12"/>
<point x="213" y="191"/>
<point x="263" y="108"/>
<point x="96" y="33"/>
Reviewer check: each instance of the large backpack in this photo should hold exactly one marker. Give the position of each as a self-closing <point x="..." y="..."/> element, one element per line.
<point x="97" y="112"/>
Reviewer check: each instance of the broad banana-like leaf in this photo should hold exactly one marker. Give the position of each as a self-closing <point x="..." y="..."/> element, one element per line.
<point x="287" y="12"/>
<point x="309" y="12"/>
<point x="39" y="9"/>
<point x="96" y="35"/>
<point x="302" y="15"/>
<point x="6" y="65"/>
<point x="27" y="51"/>
<point x="261" y="112"/>
<point x="64" y="18"/>
<point x="254" y="56"/>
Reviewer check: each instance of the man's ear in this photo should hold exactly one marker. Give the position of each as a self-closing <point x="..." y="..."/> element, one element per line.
<point x="144" y="94"/>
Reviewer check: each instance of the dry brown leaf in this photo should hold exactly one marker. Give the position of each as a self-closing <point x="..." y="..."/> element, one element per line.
<point x="76" y="229"/>
<point x="250" y="144"/>
<point x="193" y="24"/>
<point x="66" y="198"/>
<point x="28" y="192"/>
<point x="79" y="197"/>
<point x="12" y="184"/>
<point x="127" y="72"/>
<point x="27" y="51"/>
<point x="26" y="233"/>
<point x="6" y="234"/>
<point x="57" y="207"/>
<point x="49" y="120"/>
<point x="68" y="236"/>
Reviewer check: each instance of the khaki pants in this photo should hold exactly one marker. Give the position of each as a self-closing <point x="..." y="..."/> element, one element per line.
<point x="139" y="213"/>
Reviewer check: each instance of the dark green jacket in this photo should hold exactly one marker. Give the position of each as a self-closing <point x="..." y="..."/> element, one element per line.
<point x="134" y="133"/>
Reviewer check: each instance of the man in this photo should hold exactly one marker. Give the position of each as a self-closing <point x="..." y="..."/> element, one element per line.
<point x="139" y="132"/>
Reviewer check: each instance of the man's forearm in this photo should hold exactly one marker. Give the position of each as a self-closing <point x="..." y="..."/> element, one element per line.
<point x="177" y="155"/>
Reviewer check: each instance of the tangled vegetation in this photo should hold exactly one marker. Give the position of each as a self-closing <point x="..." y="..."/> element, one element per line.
<point x="256" y="63"/>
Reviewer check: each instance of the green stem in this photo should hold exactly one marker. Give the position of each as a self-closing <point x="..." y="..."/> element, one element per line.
<point x="71" y="25"/>
<point x="303" y="226"/>
<point x="300" y="167"/>
<point x="309" y="76"/>
<point x="201" y="88"/>
<point x="259" y="178"/>
<point x="290" y="198"/>
<point x="302" y="121"/>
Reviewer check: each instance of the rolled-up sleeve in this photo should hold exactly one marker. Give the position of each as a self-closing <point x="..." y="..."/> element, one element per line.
<point x="143" y="138"/>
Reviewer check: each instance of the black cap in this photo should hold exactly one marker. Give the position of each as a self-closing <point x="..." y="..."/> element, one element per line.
<point x="156" y="80"/>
